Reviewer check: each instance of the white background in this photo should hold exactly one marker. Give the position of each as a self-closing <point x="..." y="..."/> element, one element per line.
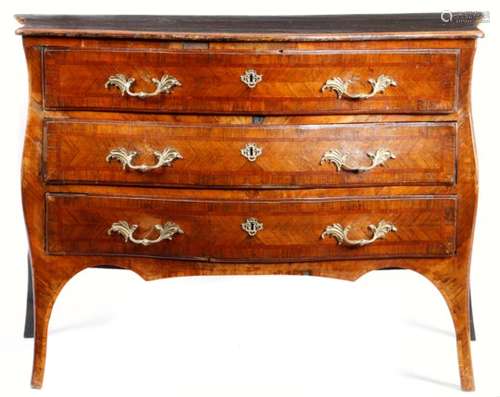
<point x="111" y="333"/>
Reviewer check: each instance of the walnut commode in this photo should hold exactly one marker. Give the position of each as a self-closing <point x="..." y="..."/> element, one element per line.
<point x="177" y="146"/>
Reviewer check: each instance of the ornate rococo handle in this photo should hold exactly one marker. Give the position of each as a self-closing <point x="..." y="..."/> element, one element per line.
<point x="166" y="232"/>
<point x="163" y="159"/>
<point x="339" y="232"/>
<point x="341" y="87"/>
<point x="338" y="158"/>
<point x="124" y="84"/>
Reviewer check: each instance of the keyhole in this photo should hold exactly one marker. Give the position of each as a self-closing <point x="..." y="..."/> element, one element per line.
<point x="251" y="151"/>
<point x="251" y="78"/>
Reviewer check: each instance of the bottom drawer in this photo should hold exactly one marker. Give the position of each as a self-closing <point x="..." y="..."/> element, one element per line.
<point x="251" y="231"/>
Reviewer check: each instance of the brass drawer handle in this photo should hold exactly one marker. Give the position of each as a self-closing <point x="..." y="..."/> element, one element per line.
<point x="341" y="87"/>
<point x="163" y="159"/>
<point x="252" y="226"/>
<point x="338" y="158"/>
<point x="166" y="232"/>
<point x="124" y="84"/>
<point x="339" y="232"/>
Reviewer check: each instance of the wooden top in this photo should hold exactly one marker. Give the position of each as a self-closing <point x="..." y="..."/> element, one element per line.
<point x="253" y="28"/>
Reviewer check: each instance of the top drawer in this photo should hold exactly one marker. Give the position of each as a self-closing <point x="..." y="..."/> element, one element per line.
<point x="270" y="82"/>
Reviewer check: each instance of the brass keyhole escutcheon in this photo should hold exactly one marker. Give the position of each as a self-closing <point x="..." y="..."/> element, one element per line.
<point x="251" y="78"/>
<point x="252" y="226"/>
<point x="251" y="151"/>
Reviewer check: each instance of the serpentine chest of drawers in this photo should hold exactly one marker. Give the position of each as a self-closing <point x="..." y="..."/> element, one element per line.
<point x="175" y="146"/>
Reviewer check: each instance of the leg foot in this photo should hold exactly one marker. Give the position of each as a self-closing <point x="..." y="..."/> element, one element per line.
<point x="47" y="282"/>
<point x="44" y="300"/>
<point x="455" y="290"/>
<point x="29" y="322"/>
<point x="460" y="312"/>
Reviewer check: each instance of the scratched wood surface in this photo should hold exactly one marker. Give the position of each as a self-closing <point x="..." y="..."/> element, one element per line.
<point x="251" y="28"/>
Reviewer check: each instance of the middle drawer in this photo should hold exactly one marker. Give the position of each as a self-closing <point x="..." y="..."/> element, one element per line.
<point x="242" y="156"/>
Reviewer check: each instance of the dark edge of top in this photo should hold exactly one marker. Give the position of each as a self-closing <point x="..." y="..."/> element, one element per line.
<point x="257" y="28"/>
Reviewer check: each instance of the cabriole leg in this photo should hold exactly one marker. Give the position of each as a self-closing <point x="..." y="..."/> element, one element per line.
<point x="455" y="290"/>
<point x="47" y="282"/>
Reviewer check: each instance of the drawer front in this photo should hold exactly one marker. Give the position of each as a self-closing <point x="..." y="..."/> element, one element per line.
<point x="273" y="82"/>
<point x="251" y="231"/>
<point x="249" y="156"/>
